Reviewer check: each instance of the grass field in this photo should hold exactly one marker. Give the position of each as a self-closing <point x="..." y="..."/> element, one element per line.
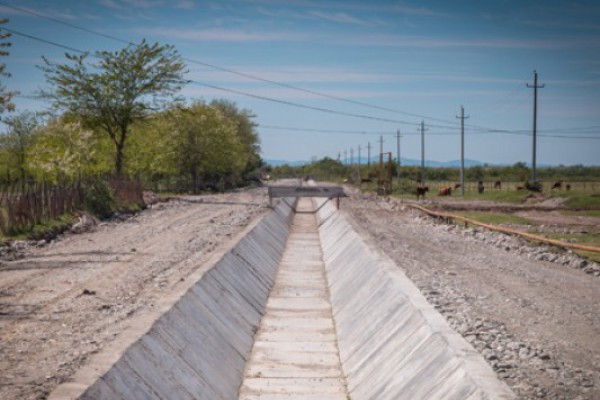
<point x="493" y="218"/>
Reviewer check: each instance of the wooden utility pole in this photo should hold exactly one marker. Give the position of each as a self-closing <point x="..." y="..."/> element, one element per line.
<point x="346" y="157"/>
<point x="535" y="87"/>
<point x="359" y="177"/>
<point x="368" y="155"/>
<point x="398" y="136"/>
<point x="423" y="150"/>
<point x="462" y="150"/>
<point x="352" y="156"/>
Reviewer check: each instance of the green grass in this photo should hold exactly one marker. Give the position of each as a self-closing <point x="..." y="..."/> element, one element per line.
<point x="582" y="200"/>
<point x="512" y="197"/>
<point x="494" y="218"/>
<point x="582" y="213"/>
<point x="42" y="230"/>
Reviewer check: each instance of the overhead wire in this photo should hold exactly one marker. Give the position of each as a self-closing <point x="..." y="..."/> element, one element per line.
<point x="289" y="103"/>
<point x="238" y="73"/>
<point x="435" y="133"/>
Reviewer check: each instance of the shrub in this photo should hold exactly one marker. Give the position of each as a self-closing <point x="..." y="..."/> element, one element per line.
<point x="98" y="199"/>
<point x="534" y="186"/>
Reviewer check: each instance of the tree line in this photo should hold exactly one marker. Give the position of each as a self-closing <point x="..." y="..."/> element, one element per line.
<point x="117" y="113"/>
<point x="334" y="170"/>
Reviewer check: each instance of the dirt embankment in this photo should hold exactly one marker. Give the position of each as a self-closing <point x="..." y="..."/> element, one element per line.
<point x="65" y="301"/>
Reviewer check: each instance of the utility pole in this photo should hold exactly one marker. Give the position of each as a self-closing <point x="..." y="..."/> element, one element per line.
<point x="359" y="177"/>
<point x="352" y="156"/>
<point x="346" y="157"/>
<point x="339" y="156"/>
<point x="380" y="178"/>
<point x="462" y="150"/>
<point x="535" y="88"/>
<point x="423" y="150"/>
<point x="369" y="155"/>
<point x="398" y="136"/>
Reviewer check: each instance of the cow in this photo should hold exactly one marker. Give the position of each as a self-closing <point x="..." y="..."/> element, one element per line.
<point x="520" y="187"/>
<point x="498" y="185"/>
<point x="457" y="186"/>
<point x="445" y="191"/>
<point x="568" y="187"/>
<point x="557" y="185"/>
<point x="480" y="187"/>
<point x="421" y="190"/>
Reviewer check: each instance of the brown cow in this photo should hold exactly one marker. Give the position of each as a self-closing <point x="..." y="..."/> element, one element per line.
<point x="568" y="187"/>
<point x="557" y="185"/>
<point x="445" y="191"/>
<point x="520" y="187"/>
<point x="456" y="186"/>
<point x="498" y="185"/>
<point x="480" y="187"/>
<point x="421" y="190"/>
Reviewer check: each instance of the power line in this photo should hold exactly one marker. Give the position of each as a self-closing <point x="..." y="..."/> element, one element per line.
<point x="231" y="71"/>
<point x="73" y="49"/>
<point x="289" y="103"/>
<point x="434" y="133"/>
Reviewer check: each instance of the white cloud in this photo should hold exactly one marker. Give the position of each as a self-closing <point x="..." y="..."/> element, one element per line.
<point x="344" y="18"/>
<point x="185" y="4"/>
<point x="222" y="35"/>
<point x="292" y="74"/>
<point x="509" y="43"/>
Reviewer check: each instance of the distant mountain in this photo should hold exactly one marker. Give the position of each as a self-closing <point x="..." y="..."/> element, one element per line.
<point x="404" y="161"/>
<point x="278" y="163"/>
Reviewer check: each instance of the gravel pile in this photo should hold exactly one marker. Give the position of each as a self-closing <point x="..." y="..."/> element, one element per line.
<point x="521" y="246"/>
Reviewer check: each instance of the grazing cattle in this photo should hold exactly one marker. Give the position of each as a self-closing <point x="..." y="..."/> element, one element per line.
<point x="456" y="186"/>
<point x="445" y="191"/>
<point x="568" y="187"/>
<point x="498" y="185"/>
<point x="557" y="185"/>
<point x="421" y="190"/>
<point x="520" y="187"/>
<point x="480" y="187"/>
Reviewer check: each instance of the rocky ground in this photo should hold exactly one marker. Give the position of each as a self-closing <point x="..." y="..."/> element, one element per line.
<point x="531" y="311"/>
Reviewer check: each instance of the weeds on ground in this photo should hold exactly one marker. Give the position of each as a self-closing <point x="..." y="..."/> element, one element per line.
<point x="494" y="218"/>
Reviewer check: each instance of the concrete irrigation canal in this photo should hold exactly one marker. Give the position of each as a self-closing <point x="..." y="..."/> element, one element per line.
<point x="299" y="308"/>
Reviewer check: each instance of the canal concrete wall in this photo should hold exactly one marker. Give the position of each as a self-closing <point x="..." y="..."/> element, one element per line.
<point x="393" y="344"/>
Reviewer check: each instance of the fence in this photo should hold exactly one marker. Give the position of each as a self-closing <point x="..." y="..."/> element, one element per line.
<point x="588" y="186"/>
<point x="22" y="206"/>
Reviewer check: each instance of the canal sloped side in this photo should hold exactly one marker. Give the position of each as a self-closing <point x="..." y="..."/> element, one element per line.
<point x="393" y="344"/>
<point x="200" y="346"/>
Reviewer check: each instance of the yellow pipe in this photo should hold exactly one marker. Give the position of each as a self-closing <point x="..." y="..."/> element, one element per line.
<point x="508" y="230"/>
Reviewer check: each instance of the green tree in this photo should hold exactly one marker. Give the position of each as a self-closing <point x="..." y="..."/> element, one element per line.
<point x="520" y="171"/>
<point x="122" y="87"/>
<point x="5" y="96"/>
<point x="205" y="147"/>
<point x="63" y="149"/>
<point x="15" y="143"/>
<point x="246" y="131"/>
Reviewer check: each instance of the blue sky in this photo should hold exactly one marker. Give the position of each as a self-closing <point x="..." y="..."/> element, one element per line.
<point x="405" y="61"/>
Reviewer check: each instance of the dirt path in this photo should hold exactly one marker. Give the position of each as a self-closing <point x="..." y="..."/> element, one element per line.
<point x="537" y="323"/>
<point x="64" y="302"/>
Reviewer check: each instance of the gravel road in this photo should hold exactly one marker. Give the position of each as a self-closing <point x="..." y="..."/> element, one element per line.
<point x="535" y="321"/>
<point x="62" y="302"/>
